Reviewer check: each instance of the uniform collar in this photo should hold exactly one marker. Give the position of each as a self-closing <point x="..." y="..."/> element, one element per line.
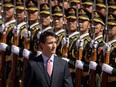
<point x="98" y="37"/>
<point x="83" y="35"/>
<point x="62" y="30"/>
<point x="72" y="34"/>
<point x="46" y="29"/>
<point x="112" y="41"/>
<point x="31" y="26"/>
<point x="9" y="22"/>
<point x="21" y="24"/>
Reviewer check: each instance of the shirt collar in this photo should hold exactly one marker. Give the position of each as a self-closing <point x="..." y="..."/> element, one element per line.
<point x="45" y="58"/>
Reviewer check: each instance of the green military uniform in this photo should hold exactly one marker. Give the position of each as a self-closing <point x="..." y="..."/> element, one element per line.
<point x="84" y="16"/>
<point x="72" y="35"/>
<point x="57" y="11"/>
<point x="112" y="43"/>
<point x="33" y="28"/>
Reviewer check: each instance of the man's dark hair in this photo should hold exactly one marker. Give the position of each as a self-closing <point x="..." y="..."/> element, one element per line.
<point x="44" y="35"/>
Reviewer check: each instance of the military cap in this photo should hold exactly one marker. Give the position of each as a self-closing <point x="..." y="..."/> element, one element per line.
<point x="87" y="2"/>
<point x="62" y="1"/>
<point x="112" y="4"/>
<point x="20" y="4"/>
<point x="57" y="11"/>
<point x="99" y="18"/>
<point x="32" y="5"/>
<point x="112" y="20"/>
<point x="45" y="8"/>
<point x="71" y="13"/>
<point x="101" y="3"/>
<point x="0" y="3"/>
<point x="75" y="1"/>
<point x="9" y="3"/>
<point x="84" y="14"/>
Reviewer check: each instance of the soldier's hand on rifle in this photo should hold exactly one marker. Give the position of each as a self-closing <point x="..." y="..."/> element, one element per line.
<point x="2" y="28"/>
<point x="3" y="46"/>
<point x="106" y="47"/>
<point x="27" y="34"/>
<point x="38" y="34"/>
<point x="91" y="43"/>
<point x="26" y="53"/>
<point x="92" y="65"/>
<point x="79" y="64"/>
<point x="64" y="40"/>
<point x="107" y="68"/>
<point x="16" y="30"/>
<point x="66" y="59"/>
<point x="15" y="49"/>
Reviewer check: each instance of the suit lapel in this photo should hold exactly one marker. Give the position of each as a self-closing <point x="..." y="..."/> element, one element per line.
<point x="43" y="70"/>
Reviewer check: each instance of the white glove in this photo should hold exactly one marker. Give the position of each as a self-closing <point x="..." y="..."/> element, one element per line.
<point x="16" y="30"/>
<point x="79" y="64"/>
<point x="95" y="45"/>
<point x="15" y="49"/>
<point x="38" y="53"/>
<point x="65" y="59"/>
<point x="77" y="42"/>
<point x="106" y="47"/>
<point x="3" y="46"/>
<point x="27" y="33"/>
<point x="38" y="34"/>
<point x="91" y="43"/>
<point x="26" y="53"/>
<point x="107" y="68"/>
<point x="64" y="40"/>
<point x="92" y="65"/>
<point x="2" y="28"/>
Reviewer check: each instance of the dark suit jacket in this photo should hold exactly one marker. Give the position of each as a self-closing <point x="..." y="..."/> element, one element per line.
<point x="36" y="75"/>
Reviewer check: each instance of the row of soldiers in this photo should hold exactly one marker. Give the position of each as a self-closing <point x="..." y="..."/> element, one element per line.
<point x="85" y="30"/>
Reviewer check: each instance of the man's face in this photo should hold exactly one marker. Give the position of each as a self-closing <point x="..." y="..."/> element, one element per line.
<point x="33" y="15"/>
<point x="9" y="12"/>
<point x="112" y="31"/>
<point x="84" y="25"/>
<point x="20" y="15"/>
<point x="49" y="47"/>
<point x="98" y="27"/>
<point x="58" y="22"/>
<point x="71" y="23"/>
<point x="101" y="10"/>
<point x="45" y="19"/>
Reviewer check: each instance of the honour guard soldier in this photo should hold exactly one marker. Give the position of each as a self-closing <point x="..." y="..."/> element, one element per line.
<point x="70" y="39"/>
<point x="112" y="7"/>
<point x="87" y="4"/>
<point x="101" y="7"/>
<point x="111" y="46"/>
<point x="9" y="26"/>
<point x="58" y="26"/>
<point x="66" y="3"/>
<point x="0" y="12"/>
<point x="74" y="3"/>
<point x="98" y="43"/>
<point x="85" y="39"/>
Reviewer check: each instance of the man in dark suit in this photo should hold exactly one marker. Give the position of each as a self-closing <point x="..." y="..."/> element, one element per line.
<point x="37" y="71"/>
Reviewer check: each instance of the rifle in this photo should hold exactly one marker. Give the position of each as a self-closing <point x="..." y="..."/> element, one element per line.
<point x="27" y="46"/>
<point x="104" y="82"/>
<point x="3" y="56"/>
<point x="79" y="55"/>
<point x="94" y="53"/>
<point x="78" y="70"/>
<point x="25" y="61"/>
<point x="65" y="47"/>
